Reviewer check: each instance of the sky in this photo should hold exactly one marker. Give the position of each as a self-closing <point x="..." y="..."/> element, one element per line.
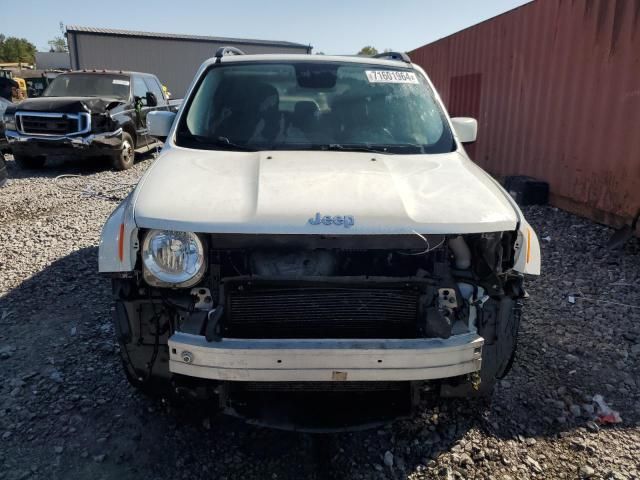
<point x="330" y="26"/>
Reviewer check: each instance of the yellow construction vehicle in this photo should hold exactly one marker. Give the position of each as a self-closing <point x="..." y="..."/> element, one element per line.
<point x="19" y="93"/>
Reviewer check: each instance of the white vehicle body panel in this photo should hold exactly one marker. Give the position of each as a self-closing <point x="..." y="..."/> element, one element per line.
<point x="326" y="359"/>
<point x="527" y="257"/>
<point x="119" y="240"/>
<point x="277" y="192"/>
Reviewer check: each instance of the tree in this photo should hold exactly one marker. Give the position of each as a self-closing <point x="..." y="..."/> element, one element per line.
<point x="368" y="51"/>
<point x="13" y="49"/>
<point x="58" y="44"/>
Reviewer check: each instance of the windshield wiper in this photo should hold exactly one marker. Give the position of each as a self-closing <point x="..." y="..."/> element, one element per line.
<point x="219" y="142"/>
<point x="377" y="148"/>
<point x="352" y="148"/>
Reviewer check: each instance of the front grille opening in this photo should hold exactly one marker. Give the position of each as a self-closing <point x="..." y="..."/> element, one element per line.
<point x="321" y="406"/>
<point x="35" y="124"/>
<point x="321" y="312"/>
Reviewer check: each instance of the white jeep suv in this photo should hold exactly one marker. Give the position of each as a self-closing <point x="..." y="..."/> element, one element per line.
<point x="313" y="248"/>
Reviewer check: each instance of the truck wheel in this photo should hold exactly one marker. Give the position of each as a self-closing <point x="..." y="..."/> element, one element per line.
<point x="3" y="171"/>
<point x="28" y="162"/>
<point x="125" y="157"/>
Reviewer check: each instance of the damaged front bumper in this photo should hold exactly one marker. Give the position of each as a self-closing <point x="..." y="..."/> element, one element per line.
<point x="313" y="360"/>
<point x="95" y="143"/>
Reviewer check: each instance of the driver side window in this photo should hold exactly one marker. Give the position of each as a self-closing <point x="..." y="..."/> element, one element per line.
<point x="140" y="90"/>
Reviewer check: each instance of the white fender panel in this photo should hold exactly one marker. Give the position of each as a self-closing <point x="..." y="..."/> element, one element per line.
<point x="527" y="250"/>
<point x="111" y="256"/>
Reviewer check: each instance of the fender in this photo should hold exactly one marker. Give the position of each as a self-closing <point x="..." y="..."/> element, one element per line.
<point x="527" y="250"/>
<point x="119" y="240"/>
<point x="123" y="120"/>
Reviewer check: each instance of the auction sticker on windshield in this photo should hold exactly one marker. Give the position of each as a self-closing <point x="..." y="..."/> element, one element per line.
<point x="120" y="82"/>
<point x="390" y="76"/>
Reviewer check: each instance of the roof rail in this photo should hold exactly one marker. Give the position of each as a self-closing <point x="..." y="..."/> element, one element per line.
<point x="224" y="51"/>
<point x="394" y="56"/>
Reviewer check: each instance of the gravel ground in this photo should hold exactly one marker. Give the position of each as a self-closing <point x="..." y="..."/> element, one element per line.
<point x="67" y="412"/>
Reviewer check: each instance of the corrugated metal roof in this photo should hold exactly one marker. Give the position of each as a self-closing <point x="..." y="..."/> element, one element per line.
<point x="176" y="36"/>
<point x="555" y="88"/>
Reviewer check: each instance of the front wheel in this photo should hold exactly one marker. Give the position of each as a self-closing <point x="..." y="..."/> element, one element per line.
<point x="499" y="324"/>
<point x="28" y="162"/>
<point x="125" y="158"/>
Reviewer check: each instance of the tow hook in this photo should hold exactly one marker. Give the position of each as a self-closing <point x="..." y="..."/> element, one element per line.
<point x="475" y="381"/>
<point x="187" y="357"/>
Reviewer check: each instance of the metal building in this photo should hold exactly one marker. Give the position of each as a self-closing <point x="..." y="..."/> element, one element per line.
<point x="555" y="86"/>
<point x="52" y="60"/>
<point x="173" y="58"/>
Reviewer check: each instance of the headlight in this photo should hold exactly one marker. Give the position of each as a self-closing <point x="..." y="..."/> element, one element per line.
<point x="173" y="258"/>
<point x="9" y="120"/>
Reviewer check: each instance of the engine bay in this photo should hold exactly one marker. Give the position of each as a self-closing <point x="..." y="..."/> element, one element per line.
<point x="269" y="287"/>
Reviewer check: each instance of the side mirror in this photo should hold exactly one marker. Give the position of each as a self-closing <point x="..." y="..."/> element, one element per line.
<point x="466" y="129"/>
<point x="152" y="101"/>
<point x="159" y="123"/>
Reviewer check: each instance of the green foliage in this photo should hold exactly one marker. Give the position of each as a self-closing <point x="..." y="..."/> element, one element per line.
<point x="368" y="51"/>
<point x="13" y="49"/>
<point x="58" y="44"/>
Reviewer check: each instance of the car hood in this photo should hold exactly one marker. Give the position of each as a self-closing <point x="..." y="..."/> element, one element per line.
<point x="68" y="104"/>
<point x="287" y="192"/>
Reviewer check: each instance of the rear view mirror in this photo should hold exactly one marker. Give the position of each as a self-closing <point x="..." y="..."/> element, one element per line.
<point x="316" y="76"/>
<point x="152" y="101"/>
<point x="465" y="128"/>
<point x="159" y="123"/>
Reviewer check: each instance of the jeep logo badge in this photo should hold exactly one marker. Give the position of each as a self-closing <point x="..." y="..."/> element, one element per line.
<point x="347" y="220"/>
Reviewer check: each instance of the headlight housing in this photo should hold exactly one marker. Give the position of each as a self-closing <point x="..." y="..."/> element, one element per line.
<point x="173" y="259"/>
<point x="9" y="120"/>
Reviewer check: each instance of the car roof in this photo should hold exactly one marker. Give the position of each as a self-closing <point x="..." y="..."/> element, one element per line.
<point x="99" y="71"/>
<point x="271" y="57"/>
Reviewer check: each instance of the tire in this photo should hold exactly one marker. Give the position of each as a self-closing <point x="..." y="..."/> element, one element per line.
<point x="3" y="171"/>
<point x="135" y="356"/>
<point x="153" y="387"/>
<point x="125" y="158"/>
<point x="27" y="162"/>
<point x="500" y="322"/>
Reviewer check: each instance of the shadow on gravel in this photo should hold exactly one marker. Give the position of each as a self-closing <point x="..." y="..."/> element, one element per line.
<point x="70" y="413"/>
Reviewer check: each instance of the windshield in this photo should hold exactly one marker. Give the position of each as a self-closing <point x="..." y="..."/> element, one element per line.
<point x="318" y="106"/>
<point x="89" y="85"/>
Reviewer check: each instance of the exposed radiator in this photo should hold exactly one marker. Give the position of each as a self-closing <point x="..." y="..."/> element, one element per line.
<point x="322" y="312"/>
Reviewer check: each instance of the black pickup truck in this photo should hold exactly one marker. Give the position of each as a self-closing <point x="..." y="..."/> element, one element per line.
<point x="88" y="114"/>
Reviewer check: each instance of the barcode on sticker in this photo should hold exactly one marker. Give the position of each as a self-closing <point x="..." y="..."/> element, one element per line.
<point x="120" y="82"/>
<point x="390" y="76"/>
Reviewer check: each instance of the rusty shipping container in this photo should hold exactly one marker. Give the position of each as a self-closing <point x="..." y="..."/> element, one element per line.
<point x="555" y="86"/>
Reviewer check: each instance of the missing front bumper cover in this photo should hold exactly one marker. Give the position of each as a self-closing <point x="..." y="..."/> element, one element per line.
<point x="313" y="360"/>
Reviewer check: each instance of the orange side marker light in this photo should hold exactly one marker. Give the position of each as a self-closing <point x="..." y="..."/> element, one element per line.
<point x="121" y="243"/>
